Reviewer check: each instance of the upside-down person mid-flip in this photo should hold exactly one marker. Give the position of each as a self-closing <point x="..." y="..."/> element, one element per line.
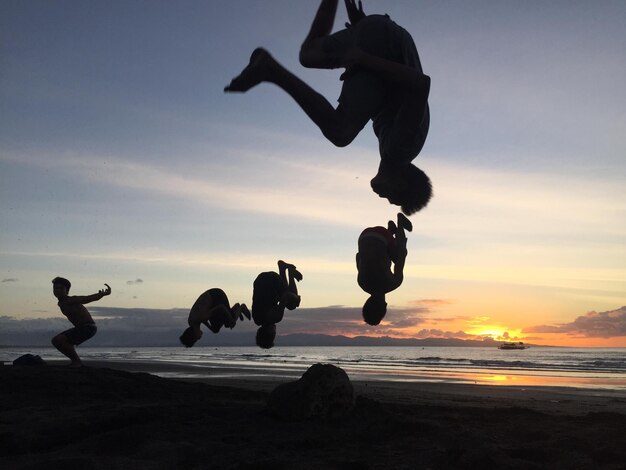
<point x="273" y="292"/>
<point x="379" y="247"/>
<point x="383" y="82"/>
<point x="213" y="310"/>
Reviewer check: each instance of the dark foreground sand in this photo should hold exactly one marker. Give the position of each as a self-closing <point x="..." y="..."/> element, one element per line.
<point x="53" y="417"/>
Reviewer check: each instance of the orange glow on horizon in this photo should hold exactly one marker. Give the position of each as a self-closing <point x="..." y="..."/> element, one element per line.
<point x="553" y="339"/>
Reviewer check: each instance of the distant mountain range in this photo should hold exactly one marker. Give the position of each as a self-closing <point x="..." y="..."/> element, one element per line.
<point x="339" y="340"/>
<point x="170" y="338"/>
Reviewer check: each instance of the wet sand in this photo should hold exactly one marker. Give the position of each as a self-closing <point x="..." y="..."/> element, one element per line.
<point x="113" y="415"/>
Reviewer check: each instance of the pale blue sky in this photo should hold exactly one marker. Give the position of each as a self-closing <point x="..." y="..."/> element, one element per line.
<point x="122" y="159"/>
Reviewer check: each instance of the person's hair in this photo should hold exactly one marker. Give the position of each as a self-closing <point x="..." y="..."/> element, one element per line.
<point x="418" y="190"/>
<point x="265" y="336"/>
<point x="64" y="282"/>
<point x="188" y="338"/>
<point x="374" y="310"/>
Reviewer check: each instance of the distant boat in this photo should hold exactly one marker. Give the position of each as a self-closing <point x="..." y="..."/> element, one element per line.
<point x="508" y="345"/>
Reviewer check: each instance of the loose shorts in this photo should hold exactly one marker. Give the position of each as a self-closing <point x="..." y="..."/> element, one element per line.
<point x="381" y="233"/>
<point x="80" y="334"/>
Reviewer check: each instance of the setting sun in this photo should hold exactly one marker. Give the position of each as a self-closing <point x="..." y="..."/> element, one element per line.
<point x="496" y="332"/>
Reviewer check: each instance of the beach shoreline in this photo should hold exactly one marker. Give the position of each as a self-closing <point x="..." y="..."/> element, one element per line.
<point x="122" y="414"/>
<point x="550" y="399"/>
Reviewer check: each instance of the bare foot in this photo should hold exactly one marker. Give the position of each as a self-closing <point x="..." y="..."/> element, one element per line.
<point x="404" y="222"/>
<point x="391" y="226"/>
<point x="297" y="275"/>
<point x="255" y="72"/>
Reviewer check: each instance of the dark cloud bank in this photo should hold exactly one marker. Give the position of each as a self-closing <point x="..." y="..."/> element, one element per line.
<point x="305" y="326"/>
<point x="592" y="325"/>
<point x="162" y="327"/>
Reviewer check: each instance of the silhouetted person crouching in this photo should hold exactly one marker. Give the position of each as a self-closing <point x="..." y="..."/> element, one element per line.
<point x="72" y="307"/>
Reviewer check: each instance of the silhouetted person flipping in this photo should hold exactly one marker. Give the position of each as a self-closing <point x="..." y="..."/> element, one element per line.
<point x="378" y="248"/>
<point x="383" y="82"/>
<point x="72" y="307"/>
<point x="213" y="310"/>
<point x="272" y="293"/>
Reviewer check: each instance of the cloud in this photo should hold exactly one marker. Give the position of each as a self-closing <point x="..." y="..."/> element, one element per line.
<point x="140" y="319"/>
<point x="451" y="319"/>
<point x="136" y="281"/>
<point x="146" y="326"/>
<point x="333" y="320"/>
<point x="348" y="321"/>
<point x="10" y="279"/>
<point x="310" y="192"/>
<point x="506" y="336"/>
<point x="430" y="302"/>
<point x="436" y="333"/>
<point x="609" y="324"/>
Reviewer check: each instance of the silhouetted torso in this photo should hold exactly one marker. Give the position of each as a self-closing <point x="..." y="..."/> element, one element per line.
<point x="374" y="266"/>
<point x="72" y="307"/>
<point x="268" y="289"/>
<point x="201" y="309"/>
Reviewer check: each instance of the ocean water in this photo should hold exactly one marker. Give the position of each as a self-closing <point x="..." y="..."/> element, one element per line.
<point x="564" y="367"/>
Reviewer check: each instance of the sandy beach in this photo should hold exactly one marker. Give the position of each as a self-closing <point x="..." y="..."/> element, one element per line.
<point x="120" y="415"/>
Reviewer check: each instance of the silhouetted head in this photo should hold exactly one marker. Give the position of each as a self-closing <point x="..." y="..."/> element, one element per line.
<point x="290" y="300"/>
<point x="265" y="336"/>
<point x="407" y="187"/>
<point x="60" y="287"/>
<point x="190" y="336"/>
<point x="374" y="309"/>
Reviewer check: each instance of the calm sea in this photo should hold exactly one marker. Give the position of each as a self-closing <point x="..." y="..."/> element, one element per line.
<point x="569" y="367"/>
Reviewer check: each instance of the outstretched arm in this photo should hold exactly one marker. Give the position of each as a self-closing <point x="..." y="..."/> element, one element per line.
<point x="85" y="299"/>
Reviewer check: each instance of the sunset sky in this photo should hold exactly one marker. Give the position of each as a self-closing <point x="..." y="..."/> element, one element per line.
<point x="122" y="161"/>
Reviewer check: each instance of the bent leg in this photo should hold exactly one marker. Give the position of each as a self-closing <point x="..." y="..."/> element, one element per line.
<point x="238" y="311"/>
<point x="290" y="274"/>
<point x="399" y="247"/>
<point x="65" y="347"/>
<point x="335" y="124"/>
<point x="404" y="224"/>
<point x="245" y="311"/>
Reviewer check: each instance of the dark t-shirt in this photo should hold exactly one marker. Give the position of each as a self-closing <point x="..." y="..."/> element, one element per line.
<point x="400" y="119"/>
